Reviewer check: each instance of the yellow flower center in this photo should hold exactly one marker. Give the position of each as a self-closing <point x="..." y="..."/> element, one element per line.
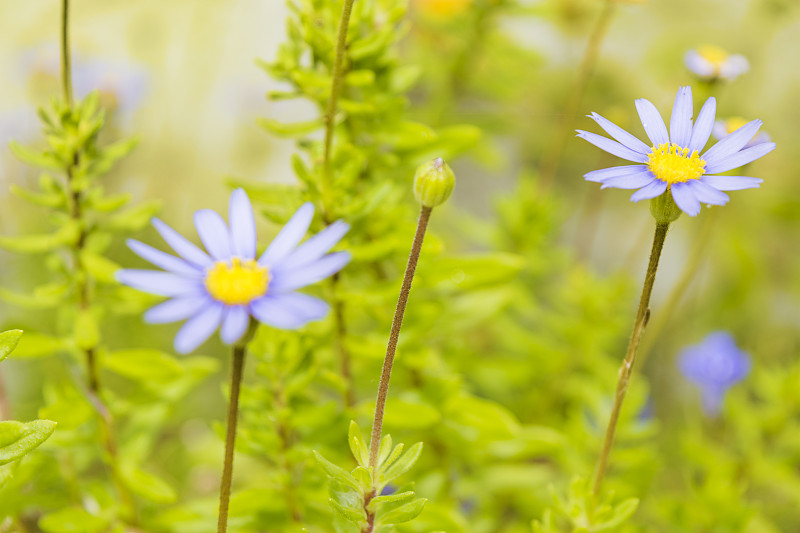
<point x="673" y="164"/>
<point x="237" y="282"/>
<point x="444" y="7"/>
<point x="714" y="55"/>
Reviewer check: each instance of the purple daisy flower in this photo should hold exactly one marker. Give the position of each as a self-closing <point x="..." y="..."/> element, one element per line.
<point x="710" y="62"/>
<point x="714" y="365"/>
<point x="227" y="285"/>
<point x="673" y="161"/>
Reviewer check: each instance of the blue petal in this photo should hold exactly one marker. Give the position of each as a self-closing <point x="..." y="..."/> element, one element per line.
<point x="316" y="246"/>
<point x="748" y="155"/>
<point x="243" y="225"/>
<point x="656" y="188"/>
<point x="302" y="305"/>
<point x="612" y="147"/>
<point x="707" y="194"/>
<point x="177" y="309"/>
<point x="631" y="181"/>
<point x="268" y="310"/>
<point x="704" y="125"/>
<point x="181" y="245"/>
<point x="213" y="233"/>
<point x="163" y="260"/>
<point x="684" y="197"/>
<point x="234" y="324"/>
<point x="613" y="172"/>
<point x="680" y="125"/>
<point x="160" y="283"/>
<point x="732" y="143"/>
<point x="732" y="183"/>
<point x="652" y="122"/>
<point x="199" y="328"/>
<point x="627" y="140"/>
<point x="290" y="280"/>
<point x="289" y="237"/>
<point x="698" y="64"/>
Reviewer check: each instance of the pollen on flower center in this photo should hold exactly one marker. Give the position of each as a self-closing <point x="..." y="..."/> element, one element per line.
<point x="713" y="54"/>
<point x="672" y="164"/>
<point x="236" y="282"/>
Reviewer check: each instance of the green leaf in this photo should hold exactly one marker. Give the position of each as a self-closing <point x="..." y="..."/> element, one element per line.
<point x="87" y="330"/>
<point x="353" y="515"/>
<point x="17" y="439"/>
<point x="622" y="513"/>
<point x="298" y="129"/>
<point x="404" y="513"/>
<point x="44" y="199"/>
<point x="99" y="267"/>
<point x="336" y="472"/>
<point x="390" y="498"/>
<point x="403" y="464"/>
<point x="39" y="243"/>
<point x="134" y="219"/>
<point x="144" y="365"/>
<point x="73" y="520"/>
<point x="358" y="445"/>
<point x="34" y="157"/>
<point x="148" y="485"/>
<point x="38" y="345"/>
<point x="8" y="342"/>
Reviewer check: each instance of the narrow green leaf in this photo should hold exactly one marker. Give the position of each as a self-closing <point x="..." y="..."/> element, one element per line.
<point x="39" y="243"/>
<point x="34" y="157"/>
<point x="352" y="515"/>
<point x="404" y="513"/>
<point x="298" y="129"/>
<point x="38" y="345"/>
<point x="19" y="441"/>
<point x="358" y="447"/>
<point x="390" y="498"/>
<point x="73" y="520"/>
<point x="143" y="365"/>
<point x="336" y="472"/>
<point x="148" y="485"/>
<point x="405" y="462"/>
<point x="8" y="342"/>
<point x="134" y="219"/>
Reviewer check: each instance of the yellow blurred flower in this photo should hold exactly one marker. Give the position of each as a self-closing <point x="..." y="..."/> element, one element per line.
<point x="443" y="8"/>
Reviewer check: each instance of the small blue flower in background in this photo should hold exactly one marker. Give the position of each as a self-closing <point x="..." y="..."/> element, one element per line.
<point x="723" y="128"/>
<point x="672" y="163"/>
<point x="714" y="365"/>
<point x="712" y="62"/>
<point x="227" y="285"/>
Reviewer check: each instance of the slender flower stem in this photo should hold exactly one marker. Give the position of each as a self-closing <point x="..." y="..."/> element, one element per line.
<point x="237" y="371"/>
<point x="696" y="256"/>
<point x="333" y="100"/>
<point x="642" y="315"/>
<point x="340" y="326"/>
<point x="394" y="335"/>
<point x="66" y="70"/>
<point x="553" y="161"/>
<point x="108" y="436"/>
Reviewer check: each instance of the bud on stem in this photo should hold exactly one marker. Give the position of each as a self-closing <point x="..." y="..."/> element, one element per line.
<point x="433" y="183"/>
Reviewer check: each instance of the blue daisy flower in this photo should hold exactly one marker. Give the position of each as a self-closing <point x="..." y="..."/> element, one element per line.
<point x="714" y="365"/>
<point x="673" y="161"/>
<point x="227" y="285"/>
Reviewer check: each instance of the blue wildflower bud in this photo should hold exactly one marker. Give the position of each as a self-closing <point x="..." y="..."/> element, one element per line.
<point x="664" y="209"/>
<point x="433" y="183"/>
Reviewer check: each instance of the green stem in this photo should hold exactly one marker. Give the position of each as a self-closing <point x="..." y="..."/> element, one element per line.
<point x="689" y="271"/>
<point x="237" y="371"/>
<point x="642" y="315"/>
<point x="66" y="74"/>
<point x="555" y="153"/>
<point x="333" y="100"/>
<point x="394" y="335"/>
<point x="340" y="326"/>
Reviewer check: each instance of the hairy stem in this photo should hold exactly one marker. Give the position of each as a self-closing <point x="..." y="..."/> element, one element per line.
<point x="699" y="251"/>
<point x="555" y="153"/>
<point x="642" y="315"/>
<point x="394" y="335"/>
<point x="237" y="371"/>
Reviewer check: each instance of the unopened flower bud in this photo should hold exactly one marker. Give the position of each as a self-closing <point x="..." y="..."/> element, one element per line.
<point x="433" y="183"/>
<point x="664" y="209"/>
